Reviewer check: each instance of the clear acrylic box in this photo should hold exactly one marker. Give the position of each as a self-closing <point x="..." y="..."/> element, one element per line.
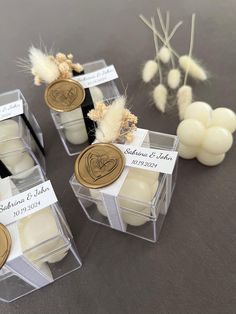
<point x="21" y="139"/>
<point x="70" y="125"/>
<point x="42" y="246"/>
<point x="140" y="218"/>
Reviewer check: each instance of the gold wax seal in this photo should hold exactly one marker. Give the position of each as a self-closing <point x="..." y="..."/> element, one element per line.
<point x="64" y="95"/>
<point x="99" y="165"/>
<point x="5" y="245"/>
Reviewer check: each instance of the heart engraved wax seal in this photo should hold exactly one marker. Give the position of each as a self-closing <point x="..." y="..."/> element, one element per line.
<point x="64" y="95"/>
<point x="99" y="165"/>
<point x="5" y="245"/>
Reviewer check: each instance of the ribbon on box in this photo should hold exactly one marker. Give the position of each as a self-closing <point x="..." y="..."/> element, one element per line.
<point x="138" y="157"/>
<point x="88" y="80"/>
<point x="34" y="135"/>
<point x="110" y="193"/>
<point x="86" y="107"/>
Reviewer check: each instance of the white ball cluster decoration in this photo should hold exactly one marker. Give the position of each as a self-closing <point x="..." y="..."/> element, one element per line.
<point x="206" y="134"/>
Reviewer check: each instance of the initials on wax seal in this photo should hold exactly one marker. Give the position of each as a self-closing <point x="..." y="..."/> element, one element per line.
<point x="64" y="95"/>
<point x="5" y="245"/>
<point x="99" y="165"/>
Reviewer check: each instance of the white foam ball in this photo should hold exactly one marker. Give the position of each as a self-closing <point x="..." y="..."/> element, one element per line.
<point x="191" y="132"/>
<point x="200" y="111"/>
<point x="217" y="140"/>
<point x="208" y="159"/>
<point x="224" y="117"/>
<point x="187" y="152"/>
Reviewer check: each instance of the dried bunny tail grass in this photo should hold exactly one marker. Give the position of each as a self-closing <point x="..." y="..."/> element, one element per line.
<point x="174" y="78"/>
<point x="164" y="54"/>
<point x="149" y="70"/>
<point x="193" y="68"/>
<point x="109" y="128"/>
<point x="165" y="32"/>
<point x="184" y="99"/>
<point x="43" y="66"/>
<point x="188" y="64"/>
<point x="151" y="67"/>
<point x="24" y="65"/>
<point x="160" y="97"/>
<point x="147" y="23"/>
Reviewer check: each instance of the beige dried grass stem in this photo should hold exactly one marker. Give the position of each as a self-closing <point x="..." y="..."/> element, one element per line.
<point x="166" y="36"/>
<point x="146" y="22"/>
<point x="156" y="48"/>
<point x="190" y="46"/>
<point x="167" y="22"/>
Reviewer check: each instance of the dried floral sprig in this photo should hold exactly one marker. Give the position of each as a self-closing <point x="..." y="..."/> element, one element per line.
<point x="115" y="122"/>
<point x="97" y="114"/>
<point x="47" y="68"/>
<point x="170" y="80"/>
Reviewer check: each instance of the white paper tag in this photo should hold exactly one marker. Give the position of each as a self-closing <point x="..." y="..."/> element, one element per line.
<point x="11" y="110"/>
<point x="148" y="158"/>
<point x="27" y="203"/>
<point x="98" y="77"/>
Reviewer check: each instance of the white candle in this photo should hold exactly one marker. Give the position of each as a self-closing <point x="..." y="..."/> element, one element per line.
<point x="74" y="126"/>
<point x="188" y="152"/>
<point x="217" y="140"/>
<point x="200" y="111"/>
<point x="206" y="133"/>
<point x="12" y="150"/>
<point x="44" y="268"/>
<point x="16" y="161"/>
<point x="191" y="132"/>
<point x="96" y="196"/>
<point x="96" y="94"/>
<point x="8" y="129"/>
<point x="25" y="163"/>
<point x="140" y="192"/>
<point x="40" y="235"/>
<point x="208" y="159"/>
<point x="225" y="118"/>
<point x="139" y="188"/>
